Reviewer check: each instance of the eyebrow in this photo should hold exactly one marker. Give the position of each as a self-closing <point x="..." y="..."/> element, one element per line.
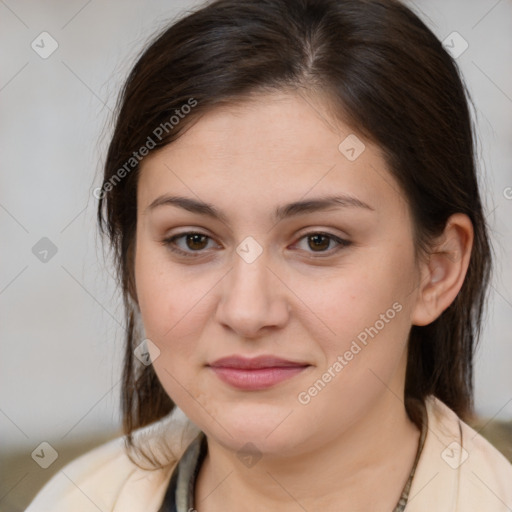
<point x="281" y="212"/>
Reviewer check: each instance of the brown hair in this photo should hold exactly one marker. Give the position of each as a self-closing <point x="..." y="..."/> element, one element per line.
<point x="390" y="80"/>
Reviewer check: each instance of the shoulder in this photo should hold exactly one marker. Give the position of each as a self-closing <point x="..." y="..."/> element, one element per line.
<point x="488" y="473"/>
<point x="458" y="468"/>
<point x="107" y="479"/>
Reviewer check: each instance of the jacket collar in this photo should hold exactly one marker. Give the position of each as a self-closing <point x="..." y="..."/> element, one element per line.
<point x="436" y="482"/>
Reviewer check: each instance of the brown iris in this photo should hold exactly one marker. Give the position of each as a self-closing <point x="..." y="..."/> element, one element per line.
<point x="196" y="241"/>
<point x="319" y="241"/>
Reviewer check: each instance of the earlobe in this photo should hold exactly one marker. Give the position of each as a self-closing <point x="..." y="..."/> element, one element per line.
<point x="444" y="273"/>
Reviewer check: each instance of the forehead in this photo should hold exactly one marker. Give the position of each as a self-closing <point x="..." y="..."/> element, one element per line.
<point x="266" y="150"/>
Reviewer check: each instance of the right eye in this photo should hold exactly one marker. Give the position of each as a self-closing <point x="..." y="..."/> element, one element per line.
<point x="191" y="242"/>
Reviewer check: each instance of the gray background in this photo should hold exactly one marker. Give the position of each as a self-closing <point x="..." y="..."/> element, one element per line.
<point x="61" y="319"/>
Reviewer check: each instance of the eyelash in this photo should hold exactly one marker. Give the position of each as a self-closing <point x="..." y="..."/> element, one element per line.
<point x="170" y="244"/>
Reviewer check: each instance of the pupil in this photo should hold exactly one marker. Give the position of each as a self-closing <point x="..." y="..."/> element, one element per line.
<point x="318" y="241"/>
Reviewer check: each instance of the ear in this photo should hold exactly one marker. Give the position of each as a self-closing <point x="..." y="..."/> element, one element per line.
<point x="443" y="272"/>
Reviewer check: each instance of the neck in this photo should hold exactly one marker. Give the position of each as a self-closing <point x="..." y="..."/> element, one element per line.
<point x="376" y="453"/>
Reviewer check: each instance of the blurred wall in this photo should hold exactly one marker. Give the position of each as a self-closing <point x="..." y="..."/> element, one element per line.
<point x="61" y="320"/>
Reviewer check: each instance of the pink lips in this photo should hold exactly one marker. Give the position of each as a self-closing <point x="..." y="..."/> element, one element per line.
<point x="255" y="373"/>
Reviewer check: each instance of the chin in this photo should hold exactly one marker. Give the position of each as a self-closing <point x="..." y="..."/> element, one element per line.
<point x="262" y="428"/>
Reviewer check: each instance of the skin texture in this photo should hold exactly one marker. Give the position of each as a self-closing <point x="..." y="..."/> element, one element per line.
<point x="294" y="301"/>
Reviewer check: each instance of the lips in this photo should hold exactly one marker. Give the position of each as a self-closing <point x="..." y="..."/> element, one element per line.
<point x="254" y="363"/>
<point x="256" y="373"/>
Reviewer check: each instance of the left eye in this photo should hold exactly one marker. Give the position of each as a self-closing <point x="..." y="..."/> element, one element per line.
<point x="321" y="242"/>
<point x="195" y="243"/>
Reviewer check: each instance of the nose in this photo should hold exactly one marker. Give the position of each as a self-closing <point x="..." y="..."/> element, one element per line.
<point x="253" y="299"/>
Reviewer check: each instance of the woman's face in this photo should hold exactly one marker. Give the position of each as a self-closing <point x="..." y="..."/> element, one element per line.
<point x="329" y="286"/>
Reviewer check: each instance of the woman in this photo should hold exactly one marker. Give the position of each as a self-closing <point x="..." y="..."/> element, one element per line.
<point x="291" y="195"/>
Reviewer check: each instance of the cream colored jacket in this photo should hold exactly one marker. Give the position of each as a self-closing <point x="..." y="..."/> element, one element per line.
<point x="458" y="471"/>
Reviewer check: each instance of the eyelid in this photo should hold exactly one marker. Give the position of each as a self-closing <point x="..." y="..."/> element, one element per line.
<point x="342" y="243"/>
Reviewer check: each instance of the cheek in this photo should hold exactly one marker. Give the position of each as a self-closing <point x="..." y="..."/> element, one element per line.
<point x="362" y="349"/>
<point x="173" y="301"/>
<point x="173" y="308"/>
<point x="162" y="298"/>
<point x="367" y="310"/>
<point x="355" y="300"/>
